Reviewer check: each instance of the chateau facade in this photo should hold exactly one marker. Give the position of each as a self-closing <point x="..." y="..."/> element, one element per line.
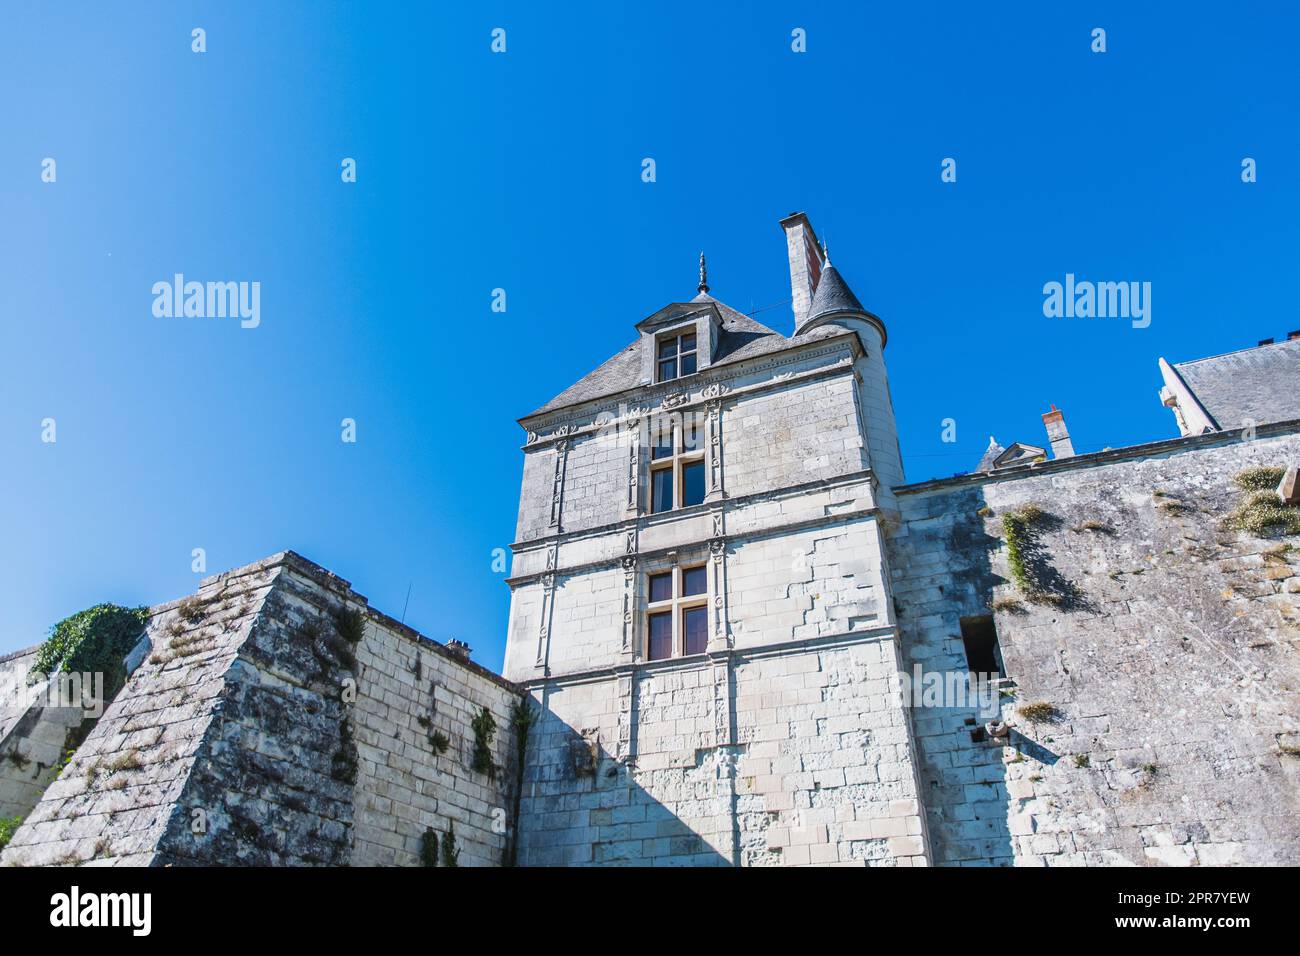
<point x="738" y="637"/>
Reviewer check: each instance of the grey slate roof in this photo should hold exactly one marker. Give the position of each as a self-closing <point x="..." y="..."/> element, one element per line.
<point x="742" y="338"/>
<point x="991" y="454"/>
<point x="1260" y="384"/>
<point x="833" y="295"/>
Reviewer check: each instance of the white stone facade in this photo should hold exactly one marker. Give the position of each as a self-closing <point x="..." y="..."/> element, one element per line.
<point x="784" y="742"/>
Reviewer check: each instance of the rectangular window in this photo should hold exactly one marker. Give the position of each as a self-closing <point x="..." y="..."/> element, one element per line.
<point x="677" y="619"/>
<point x="677" y="475"/>
<point x="661" y="587"/>
<point x="675" y="357"/>
<point x="694" y="581"/>
<point x="661" y="489"/>
<point x="692" y="483"/>
<point x="661" y="637"/>
<point x="695" y="629"/>
<point x="980" y="639"/>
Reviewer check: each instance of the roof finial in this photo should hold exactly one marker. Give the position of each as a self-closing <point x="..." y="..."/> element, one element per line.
<point x="826" y="254"/>
<point x="704" y="274"/>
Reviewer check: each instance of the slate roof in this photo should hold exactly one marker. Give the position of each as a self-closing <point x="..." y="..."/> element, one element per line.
<point x="1260" y="384"/>
<point x="991" y="455"/>
<point x="833" y="295"/>
<point x="742" y="338"/>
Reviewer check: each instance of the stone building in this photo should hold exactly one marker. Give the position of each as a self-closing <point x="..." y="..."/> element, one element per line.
<point x="738" y="636"/>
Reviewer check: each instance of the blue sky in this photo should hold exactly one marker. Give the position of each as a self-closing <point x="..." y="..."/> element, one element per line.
<point x="522" y="171"/>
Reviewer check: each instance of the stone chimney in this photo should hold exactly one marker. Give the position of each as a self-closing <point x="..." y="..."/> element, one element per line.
<point x="1058" y="434"/>
<point x="805" y="263"/>
<point x="459" y="648"/>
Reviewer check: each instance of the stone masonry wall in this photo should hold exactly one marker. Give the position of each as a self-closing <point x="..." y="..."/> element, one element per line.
<point x="33" y="735"/>
<point x="757" y="758"/>
<point x="1169" y="658"/>
<point x="257" y="732"/>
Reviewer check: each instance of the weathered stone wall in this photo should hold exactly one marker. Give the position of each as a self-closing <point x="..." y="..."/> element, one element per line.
<point x="257" y="731"/>
<point x="34" y="733"/>
<point x="1169" y="655"/>
<point x="768" y="757"/>
<point x="795" y="435"/>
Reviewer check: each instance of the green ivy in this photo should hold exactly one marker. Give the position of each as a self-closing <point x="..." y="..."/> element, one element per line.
<point x="450" y="855"/>
<point x="93" y="641"/>
<point x="429" y="847"/>
<point x="1018" y="528"/>
<point x="485" y="729"/>
<point x="522" y="719"/>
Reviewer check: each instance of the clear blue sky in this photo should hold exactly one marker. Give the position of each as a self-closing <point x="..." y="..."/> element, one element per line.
<point x="522" y="171"/>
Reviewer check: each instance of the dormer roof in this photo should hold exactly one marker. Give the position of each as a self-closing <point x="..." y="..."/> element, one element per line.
<point x="740" y="338"/>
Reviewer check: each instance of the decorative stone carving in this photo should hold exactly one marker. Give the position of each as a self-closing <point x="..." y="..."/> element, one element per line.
<point x="714" y="428"/>
<point x="548" y="600"/>
<point x="629" y="563"/>
<point x="718" y="638"/>
<point x="557" y="487"/>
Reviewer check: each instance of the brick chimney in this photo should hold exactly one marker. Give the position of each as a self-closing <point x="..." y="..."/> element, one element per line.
<point x="805" y="263"/>
<point x="1058" y="434"/>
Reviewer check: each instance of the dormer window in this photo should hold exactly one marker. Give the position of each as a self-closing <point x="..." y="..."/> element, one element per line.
<point x="675" y="357"/>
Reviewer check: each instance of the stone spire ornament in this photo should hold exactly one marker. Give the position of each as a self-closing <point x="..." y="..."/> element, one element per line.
<point x="704" y="275"/>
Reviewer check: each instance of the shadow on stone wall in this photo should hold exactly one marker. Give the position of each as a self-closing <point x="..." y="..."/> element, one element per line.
<point x="947" y="575"/>
<point x="582" y="806"/>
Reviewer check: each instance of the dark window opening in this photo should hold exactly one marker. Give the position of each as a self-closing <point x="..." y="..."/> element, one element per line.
<point x="980" y="637"/>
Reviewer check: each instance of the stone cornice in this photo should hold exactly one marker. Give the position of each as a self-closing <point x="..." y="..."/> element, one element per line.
<point x="624" y="527"/>
<point x="1156" y="449"/>
<point x="735" y="654"/>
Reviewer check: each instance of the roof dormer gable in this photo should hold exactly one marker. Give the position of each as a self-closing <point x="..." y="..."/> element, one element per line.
<point x="679" y="340"/>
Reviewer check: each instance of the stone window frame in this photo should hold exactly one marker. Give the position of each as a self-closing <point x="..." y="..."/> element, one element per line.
<point x="680" y="457"/>
<point x="676" y="605"/>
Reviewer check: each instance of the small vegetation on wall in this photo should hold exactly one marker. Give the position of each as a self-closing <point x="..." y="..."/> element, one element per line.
<point x="343" y="763"/>
<point x="522" y="719"/>
<point x="1092" y="524"/>
<point x="93" y="641"/>
<point x="1259" y="479"/>
<point x="1262" y="513"/>
<point x="1018" y="527"/>
<point x="1039" y="712"/>
<point x="350" y="624"/>
<point x="439" y="741"/>
<point x="450" y="854"/>
<point x="485" y="730"/>
<point x="1038" y="581"/>
<point x="429" y="847"/>
<point x="8" y="827"/>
